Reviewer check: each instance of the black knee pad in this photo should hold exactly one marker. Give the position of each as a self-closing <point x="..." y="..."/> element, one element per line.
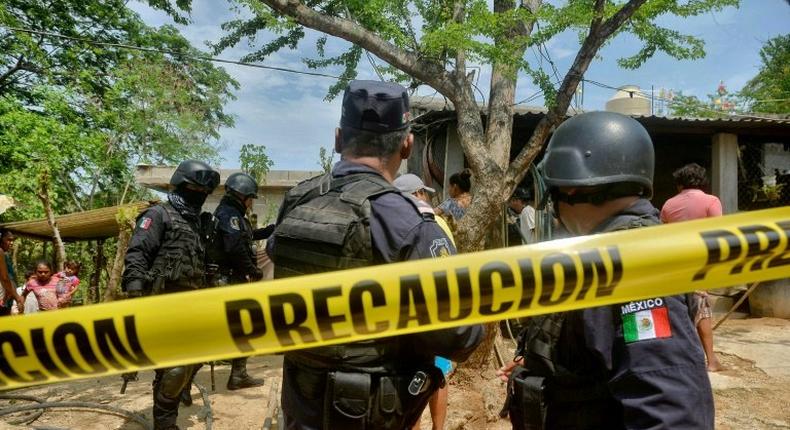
<point x="174" y="380"/>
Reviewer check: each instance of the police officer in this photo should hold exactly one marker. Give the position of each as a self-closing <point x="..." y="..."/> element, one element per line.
<point x="166" y="254"/>
<point x="631" y="365"/>
<point x="354" y="217"/>
<point x="234" y="252"/>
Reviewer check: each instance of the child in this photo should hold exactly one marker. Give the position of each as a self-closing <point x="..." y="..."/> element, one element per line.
<point x="68" y="283"/>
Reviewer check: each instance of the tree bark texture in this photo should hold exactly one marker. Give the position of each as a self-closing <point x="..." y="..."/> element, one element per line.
<point x="98" y="263"/>
<point x="111" y="292"/>
<point x="43" y="195"/>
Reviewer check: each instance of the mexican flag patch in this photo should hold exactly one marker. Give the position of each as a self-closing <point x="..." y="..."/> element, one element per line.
<point x="645" y="319"/>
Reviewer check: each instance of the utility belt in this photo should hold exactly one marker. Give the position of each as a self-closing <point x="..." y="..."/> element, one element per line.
<point x="160" y="285"/>
<point x="529" y="396"/>
<point x="360" y="401"/>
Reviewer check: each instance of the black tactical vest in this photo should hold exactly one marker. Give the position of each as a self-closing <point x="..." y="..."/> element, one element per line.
<point x="325" y="226"/>
<point x="179" y="265"/>
<point x="538" y="342"/>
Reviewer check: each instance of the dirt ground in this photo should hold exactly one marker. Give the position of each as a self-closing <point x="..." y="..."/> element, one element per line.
<point x="753" y="392"/>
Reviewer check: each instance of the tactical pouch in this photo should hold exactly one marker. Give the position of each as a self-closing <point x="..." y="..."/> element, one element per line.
<point x="394" y="406"/>
<point x="347" y="403"/>
<point x="526" y="400"/>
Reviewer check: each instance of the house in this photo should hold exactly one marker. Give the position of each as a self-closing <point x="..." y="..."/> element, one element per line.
<point x="748" y="158"/>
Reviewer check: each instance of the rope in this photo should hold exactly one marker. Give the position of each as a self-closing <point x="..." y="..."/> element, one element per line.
<point x="77" y="405"/>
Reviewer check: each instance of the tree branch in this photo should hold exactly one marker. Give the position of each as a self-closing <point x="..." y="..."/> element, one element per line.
<point x="429" y="72"/>
<point x="597" y="35"/>
<point x="619" y="18"/>
<point x="15" y="68"/>
<point x="503" y="87"/>
<point x="460" y="55"/>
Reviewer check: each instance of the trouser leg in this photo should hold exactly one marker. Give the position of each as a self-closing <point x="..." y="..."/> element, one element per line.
<point x="239" y="378"/>
<point x="168" y="384"/>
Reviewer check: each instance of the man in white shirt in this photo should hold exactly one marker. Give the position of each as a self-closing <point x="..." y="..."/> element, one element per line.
<point x="519" y="203"/>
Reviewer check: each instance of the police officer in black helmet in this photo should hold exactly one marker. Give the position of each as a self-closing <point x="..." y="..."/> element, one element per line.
<point x="355" y="217"/>
<point x="627" y="366"/>
<point x="166" y="254"/>
<point x="233" y="252"/>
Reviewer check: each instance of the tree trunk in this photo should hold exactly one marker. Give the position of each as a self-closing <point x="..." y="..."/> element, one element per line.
<point x="111" y="293"/>
<point x="125" y="218"/>
<point x="43" y="195"/>
<point x="481" y="358"/>
<point x="98" y="263"/>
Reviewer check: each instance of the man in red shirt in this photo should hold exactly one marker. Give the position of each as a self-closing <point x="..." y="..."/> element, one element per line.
<point x="693" y="203"/>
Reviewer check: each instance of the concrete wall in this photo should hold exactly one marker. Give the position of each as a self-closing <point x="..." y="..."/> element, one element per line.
<point x="270" y="193"/>
<point x="771" y="299"/>
<point x="724" y="170"/>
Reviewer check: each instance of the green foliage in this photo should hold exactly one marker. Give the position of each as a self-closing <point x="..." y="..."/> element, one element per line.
<point x="325" y="159"/>
<point x="769" y="91"/>
<point x="482" y="34"/>
<point x="255" y="162"/>
<point x="87" y="114"/>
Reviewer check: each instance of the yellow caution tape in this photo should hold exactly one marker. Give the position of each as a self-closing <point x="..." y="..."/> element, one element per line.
<point x="401" y="298"/>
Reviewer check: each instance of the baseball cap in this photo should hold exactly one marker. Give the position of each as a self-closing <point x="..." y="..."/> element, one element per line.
<point x="410" y="183"/>
<point x="380" y="107"/>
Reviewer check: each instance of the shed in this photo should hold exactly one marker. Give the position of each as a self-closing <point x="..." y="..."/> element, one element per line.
<point x="87" y="225"/>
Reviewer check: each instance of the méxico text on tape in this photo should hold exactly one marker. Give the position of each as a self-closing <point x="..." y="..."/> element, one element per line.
<point x="401" y="298"/>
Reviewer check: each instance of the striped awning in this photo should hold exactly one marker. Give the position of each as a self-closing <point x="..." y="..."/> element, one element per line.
<point x="86" y="225"/>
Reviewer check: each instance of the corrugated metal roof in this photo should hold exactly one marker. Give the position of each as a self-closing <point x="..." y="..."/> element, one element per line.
<point x="431" y="107"/>
<point x="86" y="225"/>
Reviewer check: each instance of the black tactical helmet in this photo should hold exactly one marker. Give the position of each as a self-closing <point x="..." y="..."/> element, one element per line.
<point x="195" y="172"/>
<point x="243" y="184"/>
<point x="599" y="148"/>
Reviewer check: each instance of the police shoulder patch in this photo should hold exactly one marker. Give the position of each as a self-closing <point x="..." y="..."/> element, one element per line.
<point x="234" y="223"/>
<point x="440" y="248"/>
<point x="645" y="320"/>
<point x="145" y="223"/>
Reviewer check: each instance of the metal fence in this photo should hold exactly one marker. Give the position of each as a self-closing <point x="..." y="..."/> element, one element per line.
<point x="763" y="176"/>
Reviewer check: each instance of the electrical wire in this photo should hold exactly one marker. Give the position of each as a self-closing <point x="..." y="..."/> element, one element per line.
<point x="670" y="102"/>
<point x="161" y="51"/>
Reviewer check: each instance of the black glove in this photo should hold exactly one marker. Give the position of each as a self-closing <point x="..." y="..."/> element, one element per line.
<point x="257" y="275"/>
<point x="263" y="233"/>
<point x="134" y="288"/>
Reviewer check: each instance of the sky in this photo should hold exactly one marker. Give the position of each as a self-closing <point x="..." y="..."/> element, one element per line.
<point x="289" y="115"/>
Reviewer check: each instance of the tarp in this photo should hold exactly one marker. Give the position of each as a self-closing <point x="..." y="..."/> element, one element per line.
<point x="86" y="225"/>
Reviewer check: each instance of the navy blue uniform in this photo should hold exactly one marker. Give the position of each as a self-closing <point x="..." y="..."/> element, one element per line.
<point x="144" y="247"/>
<point x="235" y="240"/>
<point x="659" y="382"/>
<point x="399" y="233"/>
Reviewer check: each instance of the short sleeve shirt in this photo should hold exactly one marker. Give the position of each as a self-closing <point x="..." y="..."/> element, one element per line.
<point x="690" y="204"/>
<point x="46" y="294"/>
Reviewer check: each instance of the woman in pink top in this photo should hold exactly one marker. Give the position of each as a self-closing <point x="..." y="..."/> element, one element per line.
<point x="693" y="203"/>
<point x="44" y="287"/>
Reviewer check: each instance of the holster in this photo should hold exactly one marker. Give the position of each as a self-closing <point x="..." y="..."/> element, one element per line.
<point x="358" y="401"/>
<point x="526" y="400"/>
<point x="347" y="400"/>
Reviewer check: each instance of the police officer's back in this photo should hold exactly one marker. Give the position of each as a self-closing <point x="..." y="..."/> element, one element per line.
<point x="166" y="254"/>
<point x="631" y="365"/>
<point x="355" y="217"/>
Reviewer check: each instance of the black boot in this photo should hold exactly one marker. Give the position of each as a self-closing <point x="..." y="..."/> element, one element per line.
<point x="165" y="412"/>
<point x="239" y="378"/>
<point x="186" y="395"/>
